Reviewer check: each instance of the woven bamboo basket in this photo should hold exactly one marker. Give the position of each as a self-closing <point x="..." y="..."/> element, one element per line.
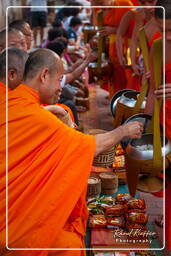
<point x="109" y="183"/>
<point x="94" y="187"/>
<point x="106" y="158"/>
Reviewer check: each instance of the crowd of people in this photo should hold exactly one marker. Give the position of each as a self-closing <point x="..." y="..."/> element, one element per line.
<point x="45" y="162"/>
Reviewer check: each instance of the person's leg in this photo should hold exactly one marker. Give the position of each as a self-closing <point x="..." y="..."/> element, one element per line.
<point x="42" y="24"/>
<point x="41" y="34"/>
<point x="35" y="32"/>
<point x="35" y="25"/>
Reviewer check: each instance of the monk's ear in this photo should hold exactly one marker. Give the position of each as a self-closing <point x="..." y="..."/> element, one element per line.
<point x="44" y="75"/>
<point x="12" y="74"/>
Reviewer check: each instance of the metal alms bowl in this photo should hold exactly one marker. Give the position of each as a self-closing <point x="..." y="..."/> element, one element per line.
<point x="134" y="150"/>
<point x="141" y="159"/>
<point x="130" y="98"/>
<point x="90" y="28"/>
<point x="115" y="99"/>
<point x="143" y="118"/>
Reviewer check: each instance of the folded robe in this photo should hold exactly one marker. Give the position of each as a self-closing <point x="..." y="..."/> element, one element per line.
<point x="48" y="168"/>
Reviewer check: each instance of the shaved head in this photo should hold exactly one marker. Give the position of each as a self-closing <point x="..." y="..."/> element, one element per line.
<point x="44" y="72"/>
<point x="16" y="62"/>
<point x="40" y="59"/>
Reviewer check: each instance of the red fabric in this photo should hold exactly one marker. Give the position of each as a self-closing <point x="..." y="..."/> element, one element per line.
<point x="135" y="2"/>
<point x="133" y="81"/>
<point x="113" y="18"/>
<point x="154" y="37"/>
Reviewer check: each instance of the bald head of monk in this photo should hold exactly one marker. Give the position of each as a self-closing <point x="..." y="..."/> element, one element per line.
<point x="16" y="62"/>
<point x="15" y="39"/>
<point x="44" y="72"/>
<point x="159" y="15"/>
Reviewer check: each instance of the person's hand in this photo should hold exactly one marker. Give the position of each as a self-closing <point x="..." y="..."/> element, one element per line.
<point x="56" y="110"/>
<point x="137" y="70"/>
<point x="146" y="76"/>
<point x="122" y="61"/>
<point x="92" y="57"/>
<point x="80" y="93"/>
<point x="160" y="92"/>
<point x="132" y="130"/>
<point x="107" y="30"/>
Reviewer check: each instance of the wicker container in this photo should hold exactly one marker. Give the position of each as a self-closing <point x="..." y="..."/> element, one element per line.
<point x="104" y="159"/>
<point x="109" y="183"/>
<point x="94" y="187"/>
<point x="84" y="102"/>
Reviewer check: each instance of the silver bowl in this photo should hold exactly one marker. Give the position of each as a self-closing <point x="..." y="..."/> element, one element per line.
<point x="95" y="28"/>
<point x="143" y="118"/>
<point x="115" y="99"/>
<point x="130" y="98"/>
<point x="134" y="151"/>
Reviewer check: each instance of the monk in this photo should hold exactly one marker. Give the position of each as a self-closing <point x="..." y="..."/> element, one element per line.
<point x="112" y="18"/>
<point x="48" y="164"/>
<point x="25" y="28"/>
<point x="126" y="28"/>
<point x="16" y="63"/>
<point x="160" y="92"/>
<point x="142" y="17"/>
<point x="15" y="38"/>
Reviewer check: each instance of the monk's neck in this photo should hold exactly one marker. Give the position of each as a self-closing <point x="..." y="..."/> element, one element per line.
<point x="33" y="84"/>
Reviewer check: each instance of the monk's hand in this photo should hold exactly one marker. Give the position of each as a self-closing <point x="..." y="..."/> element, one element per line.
<point x="146" y="76"/>
<point x="107" y="30"/>
<point x="137" y="69"/>
<point x="132" y="130"/>
<point x="160" y="93"/>
<point x="56" y="110"/>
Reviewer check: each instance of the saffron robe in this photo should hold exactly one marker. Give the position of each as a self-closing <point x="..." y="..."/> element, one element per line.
<point x="113" y="18"/>
<point x="48" y="167"/>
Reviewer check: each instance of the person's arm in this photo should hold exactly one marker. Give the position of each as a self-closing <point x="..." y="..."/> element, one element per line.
<point x="74" y="66"/>
<point x="108" y="30"/>
<point x="163" y="88"/>
<point x="139" y="17"/>
<point x="79" y="70"/>
<point x="107" y="140"/>
<point x="122" y="29"/>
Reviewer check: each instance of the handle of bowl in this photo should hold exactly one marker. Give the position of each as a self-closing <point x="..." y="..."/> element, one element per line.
<point x="145" y="51"/>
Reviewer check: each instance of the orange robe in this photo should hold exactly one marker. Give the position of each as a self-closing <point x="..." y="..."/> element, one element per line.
<point x="48" y="167"/>
<point x="2" y="91"/>
<point x="113" y="18"/>
<point x="154" y="37"/>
